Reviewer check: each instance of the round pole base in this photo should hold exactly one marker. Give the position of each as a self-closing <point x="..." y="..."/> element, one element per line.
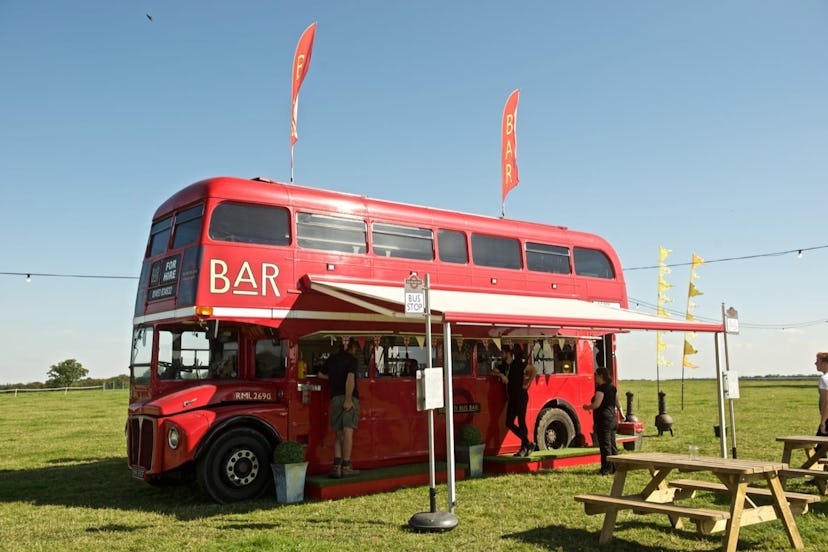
<point x="433" y="521"/>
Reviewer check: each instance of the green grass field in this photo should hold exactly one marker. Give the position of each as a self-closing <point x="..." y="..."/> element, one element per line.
<point x="64" y="486"/>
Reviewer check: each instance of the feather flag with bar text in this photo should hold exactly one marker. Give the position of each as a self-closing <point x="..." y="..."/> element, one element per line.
<point x="509" y="147"/>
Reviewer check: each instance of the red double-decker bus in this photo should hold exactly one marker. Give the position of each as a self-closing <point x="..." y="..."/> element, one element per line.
<point x="247" y="285"/>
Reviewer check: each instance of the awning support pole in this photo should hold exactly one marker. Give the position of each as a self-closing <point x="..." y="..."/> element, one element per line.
<point x="432" y="463"/>
<point x="729" y="400"/>
<point x="447" y="372"/>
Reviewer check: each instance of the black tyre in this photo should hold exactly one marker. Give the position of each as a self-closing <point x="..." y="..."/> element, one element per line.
<point x="236" y="466"/>
<point x="555" y="429"/>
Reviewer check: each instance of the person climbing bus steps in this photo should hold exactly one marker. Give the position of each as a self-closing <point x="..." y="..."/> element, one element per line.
<point x="517" y="376"/>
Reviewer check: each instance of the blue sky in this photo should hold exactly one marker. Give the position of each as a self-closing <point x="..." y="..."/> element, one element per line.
<point x="698" y="126"/>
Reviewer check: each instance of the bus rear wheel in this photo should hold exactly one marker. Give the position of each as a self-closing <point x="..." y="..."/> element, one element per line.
<point x="555" y="429"/>
<point x="236" y="467"/>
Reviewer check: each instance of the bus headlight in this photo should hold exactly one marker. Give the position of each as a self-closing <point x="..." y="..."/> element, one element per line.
<point x="172" y="438"/>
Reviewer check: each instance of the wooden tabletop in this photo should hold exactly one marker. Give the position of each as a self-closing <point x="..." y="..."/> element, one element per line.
<point x="804" y="439"/>
<point x="683" y="462"/>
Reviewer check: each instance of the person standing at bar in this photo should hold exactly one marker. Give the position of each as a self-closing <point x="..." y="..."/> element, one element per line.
<point x="341" y="372"/>
<point x="605" y="419"/>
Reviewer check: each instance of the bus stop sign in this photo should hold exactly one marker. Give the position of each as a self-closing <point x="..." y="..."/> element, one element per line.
<point x="414" y="295"/>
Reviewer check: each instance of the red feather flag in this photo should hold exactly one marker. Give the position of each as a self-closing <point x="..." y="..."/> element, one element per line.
<point x="509" y="148"/>
<point x="301" y="64"/>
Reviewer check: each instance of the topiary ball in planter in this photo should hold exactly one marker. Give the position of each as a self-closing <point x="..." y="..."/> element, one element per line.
<point x="468" y="449"/>
<point x="288" y="452"/>
<point x="289" y="468"/>
<point x="469" y="436"/>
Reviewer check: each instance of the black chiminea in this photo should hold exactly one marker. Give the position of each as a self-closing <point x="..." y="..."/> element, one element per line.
<point x="664" y="422"/>
<point x="630" y="417"/>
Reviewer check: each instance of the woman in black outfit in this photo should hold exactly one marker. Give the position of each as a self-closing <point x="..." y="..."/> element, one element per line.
<point x="605" y="420"/>
<point x="518" y="377"/>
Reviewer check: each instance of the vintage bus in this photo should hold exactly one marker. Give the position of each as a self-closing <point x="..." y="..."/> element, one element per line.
<point x="248" y="284"/>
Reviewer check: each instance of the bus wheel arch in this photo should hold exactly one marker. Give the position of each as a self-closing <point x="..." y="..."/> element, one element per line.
<point x="555" y="428"/>
<point x="235" y="466"/>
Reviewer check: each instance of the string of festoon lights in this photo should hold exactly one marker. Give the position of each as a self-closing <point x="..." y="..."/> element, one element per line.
<point x="30" y="275"/>
<point x="637" y="303"/>
<point x="799" y="253"/>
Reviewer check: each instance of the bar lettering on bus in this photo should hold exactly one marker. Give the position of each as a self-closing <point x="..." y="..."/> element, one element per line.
<point x="245" y="282"/>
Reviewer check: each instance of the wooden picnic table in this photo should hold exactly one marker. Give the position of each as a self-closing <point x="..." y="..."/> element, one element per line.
<point x="737" y="477"/>
<point x="816" y="452"/>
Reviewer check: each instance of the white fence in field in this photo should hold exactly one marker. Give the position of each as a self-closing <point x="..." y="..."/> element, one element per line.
<point x="64" y="389"/>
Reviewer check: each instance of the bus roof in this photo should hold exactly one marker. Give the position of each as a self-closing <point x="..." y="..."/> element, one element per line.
<point x="277" y="193"/>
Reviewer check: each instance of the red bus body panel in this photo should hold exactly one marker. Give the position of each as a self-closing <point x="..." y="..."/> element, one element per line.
<point x="265" y="288"/>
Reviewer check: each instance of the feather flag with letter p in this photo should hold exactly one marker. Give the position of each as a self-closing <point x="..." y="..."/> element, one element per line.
<point x="301" y="64"/>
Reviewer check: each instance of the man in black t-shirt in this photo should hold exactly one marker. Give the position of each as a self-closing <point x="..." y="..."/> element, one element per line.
<point x="341" y="372"/>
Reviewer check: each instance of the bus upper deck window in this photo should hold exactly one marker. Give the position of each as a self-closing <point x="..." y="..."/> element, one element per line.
<point x="331" y="233"/>
<point x="187" y="226"/>
<point x="592" y="262"/>
<point x="159" y="237"/>
<point x="496" y="251"/>
<point x="244" y="223"/>
<point x="407" y="242"/>
<point x="547" y="258"/>
<point x="452" y="246"/>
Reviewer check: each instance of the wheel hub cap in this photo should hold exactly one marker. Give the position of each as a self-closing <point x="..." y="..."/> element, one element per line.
<point x="242" y="467"/>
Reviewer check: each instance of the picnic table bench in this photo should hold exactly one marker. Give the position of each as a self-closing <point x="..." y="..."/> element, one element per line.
<point x="707" y="520"/>
<point x="687" y="488"/>
<point x="736" y="477"/>
<point x="816" y="455"/>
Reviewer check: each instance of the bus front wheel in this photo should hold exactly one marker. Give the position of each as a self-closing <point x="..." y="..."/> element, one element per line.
<point x="236" y="467"/>
<point x="555" y="429"/>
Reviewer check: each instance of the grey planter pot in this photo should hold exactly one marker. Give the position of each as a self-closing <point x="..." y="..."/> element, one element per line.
<point x="290" y="482"/>
<point x="473" y="456"/>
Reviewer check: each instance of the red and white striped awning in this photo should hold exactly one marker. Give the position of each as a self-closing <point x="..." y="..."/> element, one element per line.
<point x="465" y="307"/>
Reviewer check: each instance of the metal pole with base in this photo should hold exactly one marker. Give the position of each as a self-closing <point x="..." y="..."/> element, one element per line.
<point x="432" y="520"/>
<point x="731" y="324"/>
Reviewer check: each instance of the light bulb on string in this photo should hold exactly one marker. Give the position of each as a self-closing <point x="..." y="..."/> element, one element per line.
<point x="799" y="254"/>
<point x="28" y="278"/>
